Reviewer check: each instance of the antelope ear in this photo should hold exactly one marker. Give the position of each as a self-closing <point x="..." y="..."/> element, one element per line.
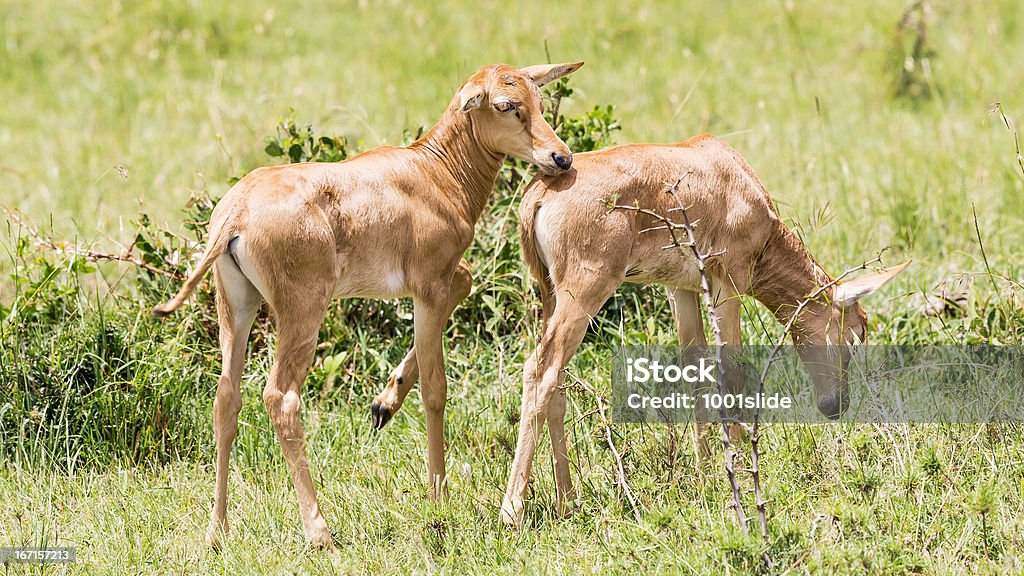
<point x="542" y="74"/>
<point x="849" y="292"/>
<point x="471" y="96"/>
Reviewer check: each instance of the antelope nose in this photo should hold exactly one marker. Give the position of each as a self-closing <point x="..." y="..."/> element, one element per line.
<point x="563" y="162"/>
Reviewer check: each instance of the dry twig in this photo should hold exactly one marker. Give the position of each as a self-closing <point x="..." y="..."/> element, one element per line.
<point x="88" y="254"/>
<point x="690" y="241"/>
<point x="620" y="468"/>
<point x="709" y="303"/>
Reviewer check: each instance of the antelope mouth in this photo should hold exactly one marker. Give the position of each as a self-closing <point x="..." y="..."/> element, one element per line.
<point x="552" y="169"/>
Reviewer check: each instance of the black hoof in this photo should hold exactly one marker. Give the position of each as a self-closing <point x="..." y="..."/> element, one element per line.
<point x="379" y="415"/>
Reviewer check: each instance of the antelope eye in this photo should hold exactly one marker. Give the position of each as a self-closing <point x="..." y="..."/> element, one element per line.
<point x="504" y="106"/>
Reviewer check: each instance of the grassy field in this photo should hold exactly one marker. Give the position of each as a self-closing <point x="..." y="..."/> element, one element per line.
<point x="116" y="109"/>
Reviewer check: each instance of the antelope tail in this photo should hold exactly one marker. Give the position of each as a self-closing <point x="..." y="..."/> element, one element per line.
<point x="531" y="252"/>
<point x="218" y="244"/>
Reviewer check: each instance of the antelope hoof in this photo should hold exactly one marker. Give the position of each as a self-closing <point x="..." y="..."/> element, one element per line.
<point x="512" y="513"/>
<point x="379" y="414"/>
<point x="321" y="540"/>
<point x="215" y="535"/>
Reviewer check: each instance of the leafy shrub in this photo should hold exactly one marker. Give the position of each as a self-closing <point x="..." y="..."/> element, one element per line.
<point x="86" y="380"/>
<point x="302" y="145"/>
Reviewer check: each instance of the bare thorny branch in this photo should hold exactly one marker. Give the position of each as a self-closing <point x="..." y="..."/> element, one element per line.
<point x="690" y="242"/>
<point x="709" y="303"/>
<point x="89" y="255"/>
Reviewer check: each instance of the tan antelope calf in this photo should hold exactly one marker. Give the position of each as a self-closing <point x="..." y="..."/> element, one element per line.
<point x="392" y="222"/>
<point x="580" y="251"/>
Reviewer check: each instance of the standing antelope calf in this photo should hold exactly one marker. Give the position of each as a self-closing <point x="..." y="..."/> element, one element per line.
<point x="392" y="222"/>
<point x="580" y="251"/>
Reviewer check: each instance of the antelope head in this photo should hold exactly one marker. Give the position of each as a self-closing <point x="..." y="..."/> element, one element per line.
<point x="824" y="331"/>
<point x="507" y="113"/>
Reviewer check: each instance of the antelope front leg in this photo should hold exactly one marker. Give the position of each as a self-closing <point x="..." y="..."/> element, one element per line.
<point x="404" y="376"/>
<point x="429" y="320"/>
<point x="729" y="309"/>
<point x="400" y="383"/>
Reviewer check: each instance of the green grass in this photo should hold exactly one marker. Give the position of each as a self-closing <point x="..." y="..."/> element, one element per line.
<point x="105" y="424"/>
<point x="851" y="503"/>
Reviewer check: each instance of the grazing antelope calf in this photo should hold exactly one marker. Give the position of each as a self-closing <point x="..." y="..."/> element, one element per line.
<point x="392" y="222"/>
<point x="580" y="251"/>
